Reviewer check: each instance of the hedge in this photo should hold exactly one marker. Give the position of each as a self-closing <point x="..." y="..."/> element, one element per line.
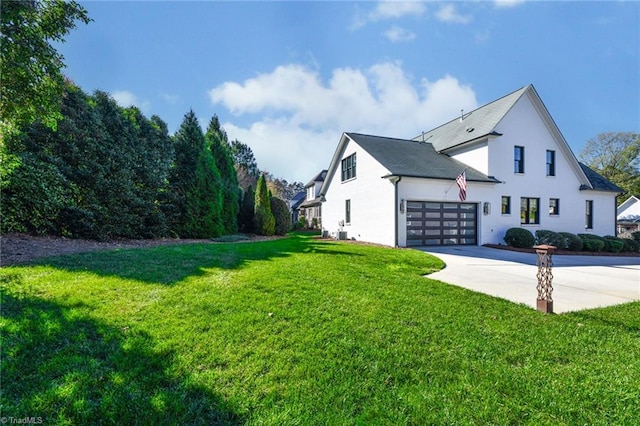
<point x="519" y="238"/>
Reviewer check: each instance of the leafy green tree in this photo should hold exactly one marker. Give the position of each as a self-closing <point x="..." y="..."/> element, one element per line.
<point x="264" y="222"/>
<point x="32" y="82"/>
<point x="616" y="156"/>
<point x="219" y="146"/>
<point x="195" y="180"/>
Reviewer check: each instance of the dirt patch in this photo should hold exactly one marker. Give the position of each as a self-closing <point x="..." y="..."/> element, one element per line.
<point x="17" y="249"/>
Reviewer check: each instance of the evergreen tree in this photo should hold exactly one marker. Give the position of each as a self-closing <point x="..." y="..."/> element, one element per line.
<point x="247" y="208"/>
<point x="263" y="221"/>
<point x="219" y="145"/>
<point x="282" y="216"/>
<point x="195" y="181"/>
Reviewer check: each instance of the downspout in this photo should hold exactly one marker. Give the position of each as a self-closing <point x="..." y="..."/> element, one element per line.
<point x="396" y="208"/>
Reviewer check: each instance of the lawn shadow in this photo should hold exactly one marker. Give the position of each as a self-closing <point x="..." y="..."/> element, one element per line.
<point x="63" y="366"/>
<point x="171" y="264"/>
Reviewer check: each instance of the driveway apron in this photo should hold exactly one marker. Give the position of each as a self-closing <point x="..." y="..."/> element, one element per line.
<point x="579" y="282"/>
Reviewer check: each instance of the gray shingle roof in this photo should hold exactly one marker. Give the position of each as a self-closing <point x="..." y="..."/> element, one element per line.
<point x="318" y="178"/>
<point x="598" y="182"/>
<point x="475" y="124"/>
<point x="409" y="158"/>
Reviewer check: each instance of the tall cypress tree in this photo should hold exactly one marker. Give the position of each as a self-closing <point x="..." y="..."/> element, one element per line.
<point x="218" y="144"/>
<point x="195" y="181"/>
<point x="263" y="220"/>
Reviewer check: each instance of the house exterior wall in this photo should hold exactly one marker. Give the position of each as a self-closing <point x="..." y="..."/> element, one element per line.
<point x="523" y="126"/>
<point x="414" y="189"/>
<point x="372" y="201"/>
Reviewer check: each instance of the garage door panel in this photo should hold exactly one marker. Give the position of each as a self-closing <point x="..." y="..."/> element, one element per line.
<point x="434" y="223"/>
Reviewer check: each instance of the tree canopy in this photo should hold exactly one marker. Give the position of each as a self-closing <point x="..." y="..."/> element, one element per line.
<point x="32" y="81"/>
<point x="616" y="156"/>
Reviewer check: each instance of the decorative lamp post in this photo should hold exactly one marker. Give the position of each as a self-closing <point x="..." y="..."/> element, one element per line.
<point x="545" y="278"/>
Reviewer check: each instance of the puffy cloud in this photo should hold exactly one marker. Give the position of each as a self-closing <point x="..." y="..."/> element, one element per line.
<point x="507" y="3"/>
<point x="385" y="10"/>
<point x="300" y="117"/>
<point x="397" y="34"/>
<point x="126" y="99"/>
<point x="449" y="13"/>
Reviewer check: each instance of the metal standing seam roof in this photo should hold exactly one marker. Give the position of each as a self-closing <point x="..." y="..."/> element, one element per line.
<point x="410" y="158"/>
<point x="475" y="124"/>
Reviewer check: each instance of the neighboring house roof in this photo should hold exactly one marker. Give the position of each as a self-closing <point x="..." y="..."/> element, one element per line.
<point x="598" y="182"/>
<point x="478" y="123"/>
<point x="415" y="159"/>
<point x="311" y="203"/>
<point x="297" y="200"/>
<point x="630" y="208"/>
<point x="319" y="178"/>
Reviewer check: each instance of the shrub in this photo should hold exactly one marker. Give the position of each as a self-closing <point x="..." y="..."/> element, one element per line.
<point x="593" y="245"/>
<point x="282" y="215"/>
<point x="519" y="237"/>
<point x="614" y="244"/>
<point x="636" y="235"/>
<point x="571" y="241"/>
<point x="606" y="246"/>
<point x="544" y="236"/>
<point x="631" y="245"/>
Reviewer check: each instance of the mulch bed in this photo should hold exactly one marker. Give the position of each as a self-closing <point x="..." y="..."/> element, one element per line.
<point x="17" y="248"/>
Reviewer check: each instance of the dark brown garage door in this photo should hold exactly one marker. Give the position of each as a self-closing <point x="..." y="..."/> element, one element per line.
<point x="435" y="224"/>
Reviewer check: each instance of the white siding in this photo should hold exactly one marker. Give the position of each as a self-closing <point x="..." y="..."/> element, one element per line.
<point x="372" y="201"/>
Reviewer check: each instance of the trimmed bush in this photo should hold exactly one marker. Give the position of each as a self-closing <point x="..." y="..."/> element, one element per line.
<point x="593" y="245"/>
<point x="631" y="245"/>
<point x="636" y="235"/>
<point x="519" y="238"/>
<point x="544" y="236"/>
<point x="615" y="244"/>
<point x="571" y="241"/>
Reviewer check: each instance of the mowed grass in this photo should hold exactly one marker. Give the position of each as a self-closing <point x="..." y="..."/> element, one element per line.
<point x="299" y="331"/>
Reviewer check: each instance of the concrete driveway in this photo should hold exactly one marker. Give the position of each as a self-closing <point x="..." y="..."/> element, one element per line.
<point x="579" y="282"/>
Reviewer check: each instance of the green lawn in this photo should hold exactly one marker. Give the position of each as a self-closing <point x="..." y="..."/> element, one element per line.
<point x="299" y="331"/>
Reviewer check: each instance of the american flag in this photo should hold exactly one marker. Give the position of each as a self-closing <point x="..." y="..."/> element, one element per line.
<point x="461" y="180"/>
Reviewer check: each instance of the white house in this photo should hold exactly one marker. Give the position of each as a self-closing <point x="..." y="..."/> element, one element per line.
<point x="629" y="215"/>
<point x="520" y="172"/>
<point x="311" y="207"/>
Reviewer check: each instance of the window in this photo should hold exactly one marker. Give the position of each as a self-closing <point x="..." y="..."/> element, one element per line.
<point x="551" y="163"/>
<point x="349" y="167"/>
<point x="554" y="206"/>
<point x="588" y="224"/>
<point x="529" y="212"/>
<point x="518" y="159"/>
<point x="506" y="205"/>
<point x="347" y="211"/>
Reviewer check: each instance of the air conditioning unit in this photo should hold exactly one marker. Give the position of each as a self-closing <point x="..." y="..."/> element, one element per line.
<point x="342" y="235"/>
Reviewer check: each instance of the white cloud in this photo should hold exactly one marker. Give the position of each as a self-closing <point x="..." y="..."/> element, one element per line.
<point x="389" y="10"/>
<point x="397" y="34"/>
<point x="449" y="13"/>
<point x="507" y="3"/>
<point x="301" y="117"/>
<point x="125" y="99"/>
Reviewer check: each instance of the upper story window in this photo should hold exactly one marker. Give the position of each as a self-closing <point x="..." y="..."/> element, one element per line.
<point x="551" y="163"/>
<point x="311" y="193"/>
<point x="518" y="159"/>
<point x="349" y="167"/>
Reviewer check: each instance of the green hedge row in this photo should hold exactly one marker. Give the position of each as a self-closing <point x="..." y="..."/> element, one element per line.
<point x="523" y="238"/>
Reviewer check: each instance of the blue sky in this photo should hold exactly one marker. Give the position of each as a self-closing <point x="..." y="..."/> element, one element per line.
<point x="287" y="78"/>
